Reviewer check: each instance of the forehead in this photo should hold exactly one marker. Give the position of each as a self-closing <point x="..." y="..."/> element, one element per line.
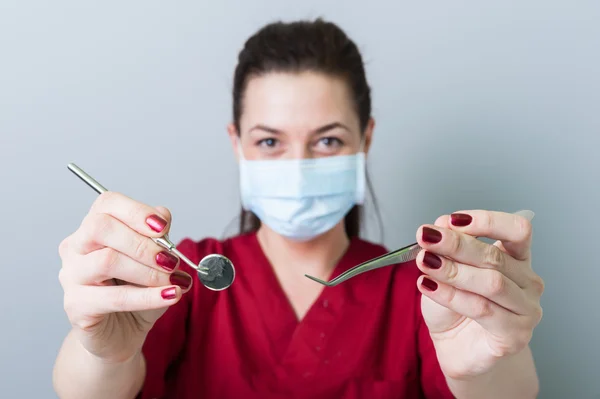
<point x="297" y="101"/>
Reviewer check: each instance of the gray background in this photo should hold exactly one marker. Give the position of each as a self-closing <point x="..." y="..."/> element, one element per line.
<point x="479" y="105"/>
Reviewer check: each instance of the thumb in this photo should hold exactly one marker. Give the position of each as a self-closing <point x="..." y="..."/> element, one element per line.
<point x="147" y="318"/>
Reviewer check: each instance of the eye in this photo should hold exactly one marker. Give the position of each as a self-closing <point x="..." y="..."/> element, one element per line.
<point x="330" y="143"/>
<point x="268" y="142"/>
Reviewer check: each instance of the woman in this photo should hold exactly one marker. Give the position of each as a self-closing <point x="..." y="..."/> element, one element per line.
<point x="456" y="323"/>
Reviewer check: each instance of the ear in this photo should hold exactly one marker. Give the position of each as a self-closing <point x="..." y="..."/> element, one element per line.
<point x="369" y="135"/>
<point x="233" y="138"/>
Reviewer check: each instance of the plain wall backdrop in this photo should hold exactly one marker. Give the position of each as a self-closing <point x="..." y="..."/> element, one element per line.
<point x="492" y="105"/>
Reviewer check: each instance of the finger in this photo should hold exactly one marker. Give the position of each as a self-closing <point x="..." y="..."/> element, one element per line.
<point x="107" y="263"/>
<point x="488" y="283"/>
<point x="486" y="313"/>
<point x="514" y="231"/>
<point x="468" y="250"/>
<point x="165" y="213"/>
<point x="529" y="279"/>
<point x="460" y="247"/>
<point x="146" y="220"/>
<point x="100" y="230"/>
<point x="443" y="221"/>
<point x="126" y="298"/>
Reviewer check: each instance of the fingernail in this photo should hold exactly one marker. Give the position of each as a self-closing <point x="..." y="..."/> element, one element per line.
<point x="169" y="293"/>
<point x="166" y="260"/>
<point x="181" y="279"/>
<point x="156" y="223"/>
<point x="460" y="219"/>
<point x="432" y="260"/>
<point x="431" y="235"/>
<point x="429" y="284"/>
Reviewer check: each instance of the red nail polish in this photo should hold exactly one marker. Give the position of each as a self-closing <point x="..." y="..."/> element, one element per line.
<point x="432" y="260"/>
<point x="166" y="260"/>
<point x="180" y="279"/>
<point x="429" y="284"/>
<point x="431" y="236"/>
<point x="169" y="293"/>
<point x="156" y="223"/>
<point x="460" y="219"/>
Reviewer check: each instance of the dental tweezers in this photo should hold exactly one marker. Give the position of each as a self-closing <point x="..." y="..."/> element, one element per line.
<point x="402" y="255"/>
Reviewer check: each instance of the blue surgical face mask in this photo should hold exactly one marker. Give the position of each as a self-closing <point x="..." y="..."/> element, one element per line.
<point x="302" y="198"/>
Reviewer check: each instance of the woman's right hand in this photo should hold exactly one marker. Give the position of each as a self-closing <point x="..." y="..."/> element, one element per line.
<point x="117" y="282"/>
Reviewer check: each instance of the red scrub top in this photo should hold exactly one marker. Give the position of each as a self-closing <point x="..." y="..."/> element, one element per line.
<point x="365" y="338"/>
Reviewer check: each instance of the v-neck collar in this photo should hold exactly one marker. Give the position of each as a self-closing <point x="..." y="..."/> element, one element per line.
<point x="279" y="317"/>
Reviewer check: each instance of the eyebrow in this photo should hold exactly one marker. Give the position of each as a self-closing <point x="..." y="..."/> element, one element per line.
<point x="320" y="130"/>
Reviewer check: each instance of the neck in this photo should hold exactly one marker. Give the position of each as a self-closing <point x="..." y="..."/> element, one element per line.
<point x="317" y="257"/>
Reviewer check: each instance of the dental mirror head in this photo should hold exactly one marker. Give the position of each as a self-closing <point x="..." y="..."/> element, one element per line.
<point x="220" y="272"/>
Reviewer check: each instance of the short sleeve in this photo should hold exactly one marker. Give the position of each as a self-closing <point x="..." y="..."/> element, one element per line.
<point x="433" y="381"/>
<point x="166" y="340"/>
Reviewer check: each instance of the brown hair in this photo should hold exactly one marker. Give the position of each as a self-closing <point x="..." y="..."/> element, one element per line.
<point x="318" y="46"/>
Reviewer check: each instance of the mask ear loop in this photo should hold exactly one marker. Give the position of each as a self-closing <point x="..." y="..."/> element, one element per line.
<point x="363" y="140"/>
<point x="243" y="184"/>
<point x="239" y="148"/>
<point x="361" y="172"/>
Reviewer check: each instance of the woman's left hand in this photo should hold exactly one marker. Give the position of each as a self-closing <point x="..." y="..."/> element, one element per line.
<point x="481" y="302"/>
